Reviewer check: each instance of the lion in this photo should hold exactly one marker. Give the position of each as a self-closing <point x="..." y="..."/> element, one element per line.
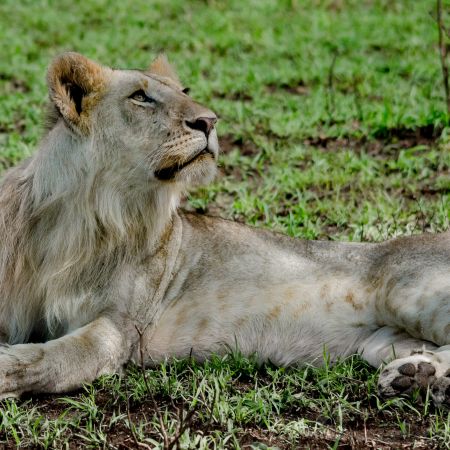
<point x="99" y="266"/>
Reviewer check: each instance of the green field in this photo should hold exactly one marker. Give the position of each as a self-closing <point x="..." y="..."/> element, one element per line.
<point x="333" y="125"/>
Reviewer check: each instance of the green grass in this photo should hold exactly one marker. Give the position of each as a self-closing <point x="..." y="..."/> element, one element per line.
<point x="227" y="402"/>
<point x="333" y="126"/>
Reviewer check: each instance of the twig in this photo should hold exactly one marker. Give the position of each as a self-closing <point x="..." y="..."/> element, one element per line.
<point x="443" y="52"/>
<point x="141" y="356"/>
<point x="184" y="424"/>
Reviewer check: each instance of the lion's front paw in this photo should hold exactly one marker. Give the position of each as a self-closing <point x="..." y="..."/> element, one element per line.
<point x="20" y="370"/>
<point x="418" y="371"/>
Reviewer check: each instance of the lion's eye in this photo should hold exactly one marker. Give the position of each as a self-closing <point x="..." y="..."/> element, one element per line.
<point x="141" y="97"/>
<point x="186" y="90"/>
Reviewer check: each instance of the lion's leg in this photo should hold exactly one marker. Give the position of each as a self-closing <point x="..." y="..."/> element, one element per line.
<point x="387" y="344"/>
<point x="411" y="364"/>
<point x="62" y="364"/>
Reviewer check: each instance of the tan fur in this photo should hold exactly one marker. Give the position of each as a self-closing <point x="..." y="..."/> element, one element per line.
<point x="97" y="261"/>
<point x="160" y="66"/>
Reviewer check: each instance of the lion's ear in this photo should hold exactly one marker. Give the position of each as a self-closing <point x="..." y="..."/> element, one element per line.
<point x="161" y="66"/>
<point x="75" y="85"/>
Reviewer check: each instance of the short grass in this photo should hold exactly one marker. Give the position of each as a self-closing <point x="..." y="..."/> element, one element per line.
<point x="333" y="126"/>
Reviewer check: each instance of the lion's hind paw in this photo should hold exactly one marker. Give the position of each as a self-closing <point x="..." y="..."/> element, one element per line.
<point x="419" y="371"/>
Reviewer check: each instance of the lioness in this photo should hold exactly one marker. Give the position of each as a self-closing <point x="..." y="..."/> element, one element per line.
<point x="98" y="265"/>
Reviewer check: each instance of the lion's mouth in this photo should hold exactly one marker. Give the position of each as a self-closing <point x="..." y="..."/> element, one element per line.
<point x="167" y="173"/>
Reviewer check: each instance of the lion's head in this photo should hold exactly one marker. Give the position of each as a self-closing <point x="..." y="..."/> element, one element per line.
<point x="121" y="147"/>
<point x="142" y="124"/>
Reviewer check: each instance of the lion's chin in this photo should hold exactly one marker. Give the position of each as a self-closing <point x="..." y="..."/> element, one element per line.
<point x="200" y="169"/>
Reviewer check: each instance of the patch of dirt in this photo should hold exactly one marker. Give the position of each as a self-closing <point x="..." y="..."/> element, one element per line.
<point x="371" y="437"/>
<point x="246" y="147"/>
<point x="14" y="84"/>
<point x="234" y="96"/>
<point x="335" y="6"/>
<point x="18" y="126"/>
<point x="294" y="88"/>
<point x="384" y="143"/>
<point x="427" y="191"/>
<point x="421" y="133"/>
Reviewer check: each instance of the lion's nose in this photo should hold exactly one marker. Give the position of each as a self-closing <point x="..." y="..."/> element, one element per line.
<point x="205" y="124"/>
